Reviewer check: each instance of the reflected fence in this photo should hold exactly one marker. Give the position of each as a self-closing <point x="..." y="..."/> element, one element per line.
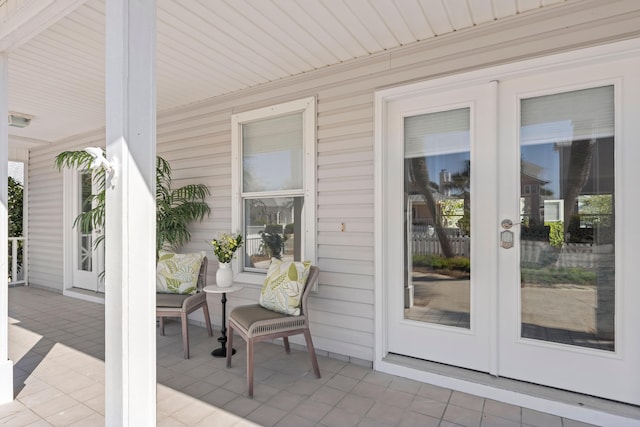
<point x="424" y="241"/>
<point x="570" y="255"/>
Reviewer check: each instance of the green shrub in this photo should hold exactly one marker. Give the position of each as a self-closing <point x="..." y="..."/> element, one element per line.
<point x="556" y="234"/>
<point x="555" y="276"/>
<point x="438" y="262"/>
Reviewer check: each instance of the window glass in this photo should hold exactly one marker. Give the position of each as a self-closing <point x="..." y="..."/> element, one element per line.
<point x="272" y="154"/>
<point x="272" y="230"/>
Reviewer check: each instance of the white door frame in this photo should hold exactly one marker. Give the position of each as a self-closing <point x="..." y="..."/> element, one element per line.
<point x="592" y="55"/>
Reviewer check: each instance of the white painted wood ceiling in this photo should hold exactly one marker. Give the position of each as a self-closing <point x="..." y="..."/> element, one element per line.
<point x="208" y="48"/>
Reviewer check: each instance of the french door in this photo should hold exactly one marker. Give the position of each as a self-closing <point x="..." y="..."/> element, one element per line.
<point x="436" y="142"/>
<point x="86" y="259"/>
<point x="566" y="287"/>
<point x="513" y="217"/>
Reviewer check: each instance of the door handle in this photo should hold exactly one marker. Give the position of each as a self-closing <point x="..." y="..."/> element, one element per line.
<point x="507" y="223"/>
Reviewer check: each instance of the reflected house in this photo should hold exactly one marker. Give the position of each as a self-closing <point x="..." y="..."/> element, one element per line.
<point x="534" y="200"/>
<point x="531" y="193"/>
<point x="421" y="214"/>
<point x="270" y="212"/>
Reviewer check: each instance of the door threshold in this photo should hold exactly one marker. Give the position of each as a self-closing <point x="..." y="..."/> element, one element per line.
<point x="576" y="406"/>
<point x="84" y="294"/>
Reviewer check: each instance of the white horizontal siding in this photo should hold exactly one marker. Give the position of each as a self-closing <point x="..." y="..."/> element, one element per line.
<point x="45" y="213"/>
<point x="196" y="140"/>
<point x="44" y="222"/>
<point x="342" y="312"/>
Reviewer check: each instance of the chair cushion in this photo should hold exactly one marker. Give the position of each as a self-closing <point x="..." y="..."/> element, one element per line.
<point x="283" y="286"/>
<point x="170" y="300"/>
<point x="178" y="273"/>
<point x="247" y="315"/>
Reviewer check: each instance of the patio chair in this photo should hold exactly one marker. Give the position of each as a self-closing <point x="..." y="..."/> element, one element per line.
<point x="181" y="305"/>
<point x="255" y="323"/>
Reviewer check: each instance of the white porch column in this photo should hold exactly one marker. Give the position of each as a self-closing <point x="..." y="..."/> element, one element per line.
<point x="130" y="335"/>
<point x="6" y="365"/>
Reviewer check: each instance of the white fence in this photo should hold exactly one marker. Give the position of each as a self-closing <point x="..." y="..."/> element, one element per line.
<point x="424" y="241"/>
<point x="574" y="255"/>
<point x="253" y="245"/>
<point x="17" y="268"/>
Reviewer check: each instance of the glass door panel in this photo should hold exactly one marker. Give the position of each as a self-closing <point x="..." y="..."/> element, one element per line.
<point x="85" y="240"/>
<point x="567" y="268"/>
<point x="437" y="186"/>
<point x="88" y="261"/>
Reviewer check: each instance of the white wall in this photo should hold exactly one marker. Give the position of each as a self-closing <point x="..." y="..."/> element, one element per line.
<point x="197" y="142"/>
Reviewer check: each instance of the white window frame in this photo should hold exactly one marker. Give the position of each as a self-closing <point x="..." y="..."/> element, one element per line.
<point x="308" y="108"/>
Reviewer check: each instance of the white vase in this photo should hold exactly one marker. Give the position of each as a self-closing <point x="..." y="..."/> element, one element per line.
<point x="224" y="275"/>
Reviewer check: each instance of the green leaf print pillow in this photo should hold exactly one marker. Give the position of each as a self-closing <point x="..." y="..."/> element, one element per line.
<point x="178" y="273"/>
<point x="283" y="287"/>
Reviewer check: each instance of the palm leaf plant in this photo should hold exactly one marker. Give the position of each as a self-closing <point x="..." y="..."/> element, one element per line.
<point x="176" y="208"/>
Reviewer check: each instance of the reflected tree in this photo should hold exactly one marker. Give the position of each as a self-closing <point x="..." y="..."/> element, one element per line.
<point x="419" y="174"/>
<point x="461" y="182"/>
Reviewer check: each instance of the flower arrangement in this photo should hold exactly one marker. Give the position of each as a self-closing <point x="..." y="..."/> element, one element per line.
<point x="225" y="245"/>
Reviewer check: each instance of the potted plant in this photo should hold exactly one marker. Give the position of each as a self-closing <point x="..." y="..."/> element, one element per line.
<point x="176" y="208"/>
<point x="225" y="246"/>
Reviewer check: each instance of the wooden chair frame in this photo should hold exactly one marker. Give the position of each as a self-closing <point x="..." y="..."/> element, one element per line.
<point x="177" y="305"/>
<point x="277" y="326"/>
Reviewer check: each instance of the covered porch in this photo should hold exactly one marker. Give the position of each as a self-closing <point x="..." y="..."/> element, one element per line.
<point x="57" y="344"/>
<point x="77" y="65"/>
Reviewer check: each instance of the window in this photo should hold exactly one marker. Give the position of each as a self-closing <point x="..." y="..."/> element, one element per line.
<point x="273" y="185"/>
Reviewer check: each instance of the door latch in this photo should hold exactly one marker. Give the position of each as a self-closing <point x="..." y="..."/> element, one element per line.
<point x="506" y="239"/>
<point x="506" y="236"/>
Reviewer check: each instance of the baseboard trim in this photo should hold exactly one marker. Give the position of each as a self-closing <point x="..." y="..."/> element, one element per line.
<point x="562" y="403"/>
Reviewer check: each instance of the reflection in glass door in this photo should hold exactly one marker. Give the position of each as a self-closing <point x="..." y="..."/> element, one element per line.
<point x="438" y="216"/>
<point x="567" y="215"/>
<point x="85" y="239"/>
<point x="88" y="260"/>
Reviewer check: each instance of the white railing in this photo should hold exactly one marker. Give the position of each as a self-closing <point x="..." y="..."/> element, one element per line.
<point x="17" y="270"/>
<point x="253" y="245"/>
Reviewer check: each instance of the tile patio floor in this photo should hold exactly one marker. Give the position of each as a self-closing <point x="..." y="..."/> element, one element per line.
<point x="57" y="346"/>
